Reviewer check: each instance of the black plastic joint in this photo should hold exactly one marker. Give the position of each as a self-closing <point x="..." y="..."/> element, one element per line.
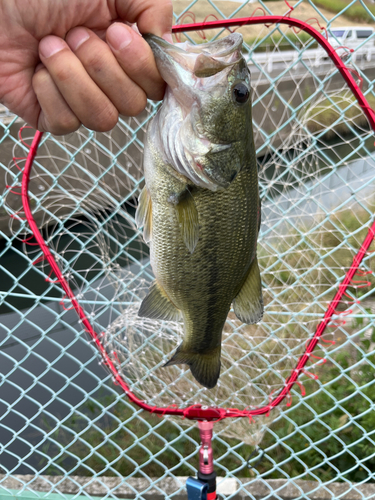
<point x="210" y="479"/>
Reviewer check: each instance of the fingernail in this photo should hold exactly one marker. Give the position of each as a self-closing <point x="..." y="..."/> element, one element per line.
<point x="76" y="37"/>
<point x="119" y="36"/>
<point x="168" y="37"/>
<point x="51" y="45"/>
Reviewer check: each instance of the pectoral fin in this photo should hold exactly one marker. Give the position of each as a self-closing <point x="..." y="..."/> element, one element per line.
<point x="248" y="304"/>
<point x="156" y="305"/>
<point x="187" y="216"/>
<point x="143" y="215"/>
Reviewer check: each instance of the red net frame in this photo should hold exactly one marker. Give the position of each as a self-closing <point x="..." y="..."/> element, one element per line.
<point x="199" y="412"/>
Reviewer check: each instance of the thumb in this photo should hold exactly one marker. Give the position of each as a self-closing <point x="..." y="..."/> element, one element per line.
<point x="151" y="16"/>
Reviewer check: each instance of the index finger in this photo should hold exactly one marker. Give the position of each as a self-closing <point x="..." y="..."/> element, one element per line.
<point x="151" y="16"/>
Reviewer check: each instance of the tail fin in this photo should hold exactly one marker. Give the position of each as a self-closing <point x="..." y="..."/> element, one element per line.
<point x="205" y="368"/>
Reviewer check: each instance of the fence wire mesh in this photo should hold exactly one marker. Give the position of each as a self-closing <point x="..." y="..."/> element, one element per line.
<point x="65" y="427"/>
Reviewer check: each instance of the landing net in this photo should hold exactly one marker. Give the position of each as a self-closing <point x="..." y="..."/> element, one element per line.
<point x="316" y="172"/>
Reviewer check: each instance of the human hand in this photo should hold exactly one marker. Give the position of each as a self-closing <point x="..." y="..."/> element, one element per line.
<point x="71" y="62"/>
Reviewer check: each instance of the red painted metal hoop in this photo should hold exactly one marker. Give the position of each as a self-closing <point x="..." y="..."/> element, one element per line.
<point x="199" y="412"/>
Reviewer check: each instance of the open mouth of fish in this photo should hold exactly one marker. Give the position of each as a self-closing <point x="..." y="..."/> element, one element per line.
<point x="193" y="75"/>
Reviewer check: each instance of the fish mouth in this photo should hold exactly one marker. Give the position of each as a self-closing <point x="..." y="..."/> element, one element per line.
<point x="182" y="65"/>
<point x="173" y="67"/>
<point x="215" y="55"/>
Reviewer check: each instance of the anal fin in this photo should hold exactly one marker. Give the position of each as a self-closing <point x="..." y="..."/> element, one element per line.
<point x="157" y="305"/>
<point x="187" y="216"/>
<point x="248" y="304"/>
<point x="143" y="215"/>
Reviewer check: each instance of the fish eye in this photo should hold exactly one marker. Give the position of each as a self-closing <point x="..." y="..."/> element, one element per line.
<point x="240" y="93"/>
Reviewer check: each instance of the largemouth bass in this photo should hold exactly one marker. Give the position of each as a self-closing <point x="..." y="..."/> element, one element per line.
<point x="200" y="206"/>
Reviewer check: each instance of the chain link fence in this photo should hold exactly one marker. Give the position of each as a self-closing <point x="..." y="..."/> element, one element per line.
<point x="66" y="430"/>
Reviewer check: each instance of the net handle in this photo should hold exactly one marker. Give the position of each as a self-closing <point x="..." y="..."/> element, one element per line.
<point x="199" y="412"/>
